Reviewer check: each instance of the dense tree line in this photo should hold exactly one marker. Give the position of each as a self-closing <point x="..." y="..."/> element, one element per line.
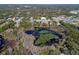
<point x="7" y="26"/>
<point x="71" y="45"/>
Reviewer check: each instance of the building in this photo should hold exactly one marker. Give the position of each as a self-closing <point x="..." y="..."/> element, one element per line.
<point x="42" y="21"/>
<point x="71" y="20"/>
<point x="56" y="19"/>
<point x="74" y="11"/>
<point x="17" y="20"/>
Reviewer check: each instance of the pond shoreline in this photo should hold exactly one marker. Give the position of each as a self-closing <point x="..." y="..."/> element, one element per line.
<point x="36" y="34"/>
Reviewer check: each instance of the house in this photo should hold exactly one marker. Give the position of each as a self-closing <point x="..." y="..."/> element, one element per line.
<point x="71" y="20"/>
<point x="56" y="19"/>
<point x="42" y="21"/>
<point x="74" y="12"/>
<point x="17" y="20"/>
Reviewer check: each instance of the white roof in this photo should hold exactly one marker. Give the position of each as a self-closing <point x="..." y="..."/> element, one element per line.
<point x="43" y="18"/>
<point x="31" y="18"/>
<point x="44" y="21"/>
<point x="38" y="20"/>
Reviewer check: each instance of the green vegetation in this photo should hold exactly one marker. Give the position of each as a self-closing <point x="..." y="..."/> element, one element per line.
<point x="72" y="37"/>
<point x="54" y="51"/>
<point x="45" y="52"/>
<point x="25" y="24"/>
<point x="51" y="51"/>
<point x="44" y="37"/>
<point x="9" y="24"/>
<point x="68" y="45"/>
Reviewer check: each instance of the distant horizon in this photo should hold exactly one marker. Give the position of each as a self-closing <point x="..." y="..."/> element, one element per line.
<point x="38" y="5"/>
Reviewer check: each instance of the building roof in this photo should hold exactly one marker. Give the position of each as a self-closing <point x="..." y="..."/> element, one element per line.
<point x="42" y="18"/>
